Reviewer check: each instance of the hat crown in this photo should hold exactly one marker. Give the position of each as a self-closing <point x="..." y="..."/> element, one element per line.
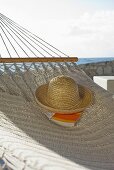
<point x="62" y="92"/>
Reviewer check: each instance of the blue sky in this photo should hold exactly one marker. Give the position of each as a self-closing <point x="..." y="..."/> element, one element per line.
<point x="83" y="28"/>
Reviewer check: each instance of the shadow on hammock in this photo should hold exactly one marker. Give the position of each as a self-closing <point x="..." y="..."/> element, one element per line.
<point x="88" y="144"/>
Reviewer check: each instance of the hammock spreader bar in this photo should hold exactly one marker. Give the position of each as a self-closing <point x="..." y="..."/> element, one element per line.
<point x="40" y="59"/>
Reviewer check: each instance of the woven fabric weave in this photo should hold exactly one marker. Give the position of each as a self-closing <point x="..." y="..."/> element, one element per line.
<point x="29" y="141"/>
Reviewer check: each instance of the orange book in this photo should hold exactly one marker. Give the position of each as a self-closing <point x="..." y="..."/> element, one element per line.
<point x="66" y="117"/>
<point x="67" y="120"/>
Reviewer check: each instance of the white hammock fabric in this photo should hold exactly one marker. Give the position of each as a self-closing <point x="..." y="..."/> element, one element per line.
<point x="28" y="140"/>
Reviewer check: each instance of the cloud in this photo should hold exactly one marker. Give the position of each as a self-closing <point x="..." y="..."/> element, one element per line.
<point x="78" y="31"/>
<point x="90" y="35"/>
<point x="100" y="22"/>
<point x="93" y="34"/>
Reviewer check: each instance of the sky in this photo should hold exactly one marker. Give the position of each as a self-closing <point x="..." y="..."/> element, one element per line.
<point x="82" y="28"/>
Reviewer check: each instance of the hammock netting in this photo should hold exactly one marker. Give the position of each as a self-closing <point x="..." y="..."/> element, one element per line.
<point x="28" y="140"/>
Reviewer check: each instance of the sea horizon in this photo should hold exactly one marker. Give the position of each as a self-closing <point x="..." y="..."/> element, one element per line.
<point x="93" y="60"/>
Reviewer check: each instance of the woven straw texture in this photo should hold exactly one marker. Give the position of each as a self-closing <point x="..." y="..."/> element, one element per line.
<point x="62" y="94"/>
<point x="29" y="141"/>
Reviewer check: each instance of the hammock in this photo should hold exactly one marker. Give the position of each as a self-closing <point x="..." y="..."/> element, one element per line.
<point x="28" y="140"/>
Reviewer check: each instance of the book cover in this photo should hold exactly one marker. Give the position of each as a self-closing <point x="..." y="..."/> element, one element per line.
<point x="64" y="119"/>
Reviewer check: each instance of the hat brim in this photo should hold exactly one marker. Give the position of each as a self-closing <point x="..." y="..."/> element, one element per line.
<point x="86" y="97"/>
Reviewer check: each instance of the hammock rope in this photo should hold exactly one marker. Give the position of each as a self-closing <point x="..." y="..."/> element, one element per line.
<point x="35" y="42"/>
<point x="33" y="36"/>
<point x="19" y="34"/>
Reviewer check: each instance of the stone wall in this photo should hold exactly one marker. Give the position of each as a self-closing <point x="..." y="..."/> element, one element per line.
<point x="99" y="69"/>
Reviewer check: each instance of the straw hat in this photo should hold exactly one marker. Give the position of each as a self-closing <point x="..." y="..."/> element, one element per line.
<point x="62" y="94"/>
